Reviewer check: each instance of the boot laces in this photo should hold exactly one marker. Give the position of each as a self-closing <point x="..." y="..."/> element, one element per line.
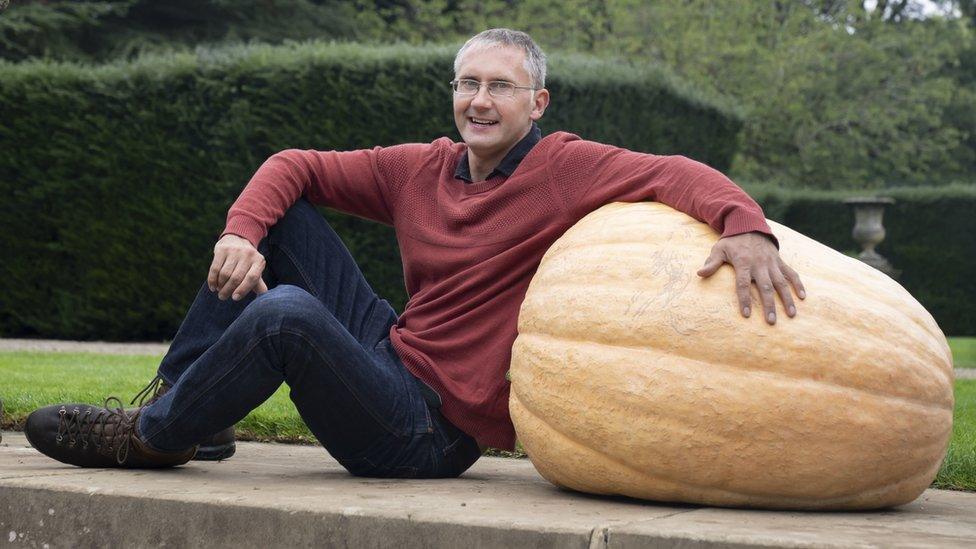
<point x="152" y="392"/>
<point x="90" y="428"/>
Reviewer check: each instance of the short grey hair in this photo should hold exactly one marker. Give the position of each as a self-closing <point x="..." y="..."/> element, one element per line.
<point x="535" y="60"/>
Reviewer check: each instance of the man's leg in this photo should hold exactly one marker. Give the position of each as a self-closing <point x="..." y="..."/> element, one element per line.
<point x="301" y="250"/>
<point x="359" y="401"/>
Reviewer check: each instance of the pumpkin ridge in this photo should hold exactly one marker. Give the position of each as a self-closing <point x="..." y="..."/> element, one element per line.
<point x="838" y="270"/>
<point x="932" y="366"/>
<point x="729" y="366"/>
<point x="735" y="497"/>
<point x="543" y="399"/>
<point x="676" y="423"/>
<point x="853" y="288"/>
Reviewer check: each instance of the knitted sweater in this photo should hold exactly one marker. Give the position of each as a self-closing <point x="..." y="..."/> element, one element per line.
<point x="469" y="250"/>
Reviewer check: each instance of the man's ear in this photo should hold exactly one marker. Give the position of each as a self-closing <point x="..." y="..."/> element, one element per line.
<point x="540" y="102"/>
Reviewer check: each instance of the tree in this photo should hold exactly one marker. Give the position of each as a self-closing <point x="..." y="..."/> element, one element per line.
<point x="836" y="96"/>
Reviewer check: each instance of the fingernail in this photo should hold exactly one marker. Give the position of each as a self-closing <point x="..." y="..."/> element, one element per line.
<point x="792" y="310"/>
<point x="746" y="311"/>
<point x="236" y="297"/>
<point x="803" y="294"/>
<point x="771" y="317"/>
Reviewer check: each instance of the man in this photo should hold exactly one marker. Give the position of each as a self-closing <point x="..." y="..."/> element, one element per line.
<point x="422" y="394"/>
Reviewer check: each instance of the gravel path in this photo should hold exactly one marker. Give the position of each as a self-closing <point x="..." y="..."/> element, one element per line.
<point x="60" y="346"/>
<point x="56" y="345"/>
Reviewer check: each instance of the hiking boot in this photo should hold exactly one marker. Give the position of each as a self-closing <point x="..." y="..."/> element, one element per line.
<point x="220" y="445"/>
<point x="89" y="436"/>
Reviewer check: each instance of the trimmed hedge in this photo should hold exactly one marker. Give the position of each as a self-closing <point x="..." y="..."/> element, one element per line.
<point x="116" y="178"/>
<point x="930" y="237"/>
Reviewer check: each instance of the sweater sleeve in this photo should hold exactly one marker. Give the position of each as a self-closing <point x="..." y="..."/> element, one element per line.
<point x="604" y="174"/>
<point x="362" y="183"/>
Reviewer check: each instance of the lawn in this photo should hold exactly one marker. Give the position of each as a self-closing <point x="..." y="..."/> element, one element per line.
<point x="29" y="380"/>
<point x="963" y="351"/>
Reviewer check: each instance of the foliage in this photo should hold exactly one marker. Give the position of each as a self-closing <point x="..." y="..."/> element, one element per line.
<point x="830" y="106"/>
<point x="837" y="95"/>
<point x="117" y="178"/>
<point x="100" y="30"/>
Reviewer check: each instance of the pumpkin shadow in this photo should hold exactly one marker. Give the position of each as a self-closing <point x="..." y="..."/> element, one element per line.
<point x="627" y="500"/>
<point x="684" y="506"/>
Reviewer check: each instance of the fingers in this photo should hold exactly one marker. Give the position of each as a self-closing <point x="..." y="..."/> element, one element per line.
<point x="759" y="261"/>
<point x="766" y="296"/>
<point x="249" y="282"/>
<point x="794" y="279"/>
<point x="714" y="261"/>
<point x="236" y="268"/>
<point x="783" y="289"/>
<point x="214" y="274"/>
<point x="743" y="285"/>
<point x="233" y="280"/>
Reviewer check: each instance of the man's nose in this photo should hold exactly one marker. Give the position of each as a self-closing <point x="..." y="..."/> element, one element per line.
<point x="482" y="98"/>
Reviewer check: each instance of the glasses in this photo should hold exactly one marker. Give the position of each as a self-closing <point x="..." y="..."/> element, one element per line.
<point x="496" y="88"/>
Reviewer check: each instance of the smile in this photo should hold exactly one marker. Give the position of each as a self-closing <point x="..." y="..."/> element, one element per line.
<point x="482" y="122"/>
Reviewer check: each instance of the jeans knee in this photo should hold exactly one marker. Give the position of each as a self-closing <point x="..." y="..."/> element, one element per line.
<point x="284" y="305"/>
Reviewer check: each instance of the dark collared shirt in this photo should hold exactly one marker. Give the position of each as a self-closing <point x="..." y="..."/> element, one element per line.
<point x="508" y="164"/>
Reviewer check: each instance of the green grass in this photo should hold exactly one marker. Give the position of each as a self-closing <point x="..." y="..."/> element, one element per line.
<point x="958" y="471"/>
<point x="963" y="351"/>
<point x="30" y="380"/>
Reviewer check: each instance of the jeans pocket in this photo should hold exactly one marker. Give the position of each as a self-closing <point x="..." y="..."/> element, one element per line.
<point x="461" y="454"/>
<point x="458" y="450"/>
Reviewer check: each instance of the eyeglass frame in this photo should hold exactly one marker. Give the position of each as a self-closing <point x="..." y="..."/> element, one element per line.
<point x="481" y="84"/>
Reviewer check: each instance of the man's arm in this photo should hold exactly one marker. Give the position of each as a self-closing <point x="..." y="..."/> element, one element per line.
<point x="352" y="182"/>
<point x="747" y="243"/>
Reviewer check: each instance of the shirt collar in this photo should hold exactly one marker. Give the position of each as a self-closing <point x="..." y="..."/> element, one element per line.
<point x="508" y="164"/>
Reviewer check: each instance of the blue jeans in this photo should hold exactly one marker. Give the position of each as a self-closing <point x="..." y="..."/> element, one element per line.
<point x="322" y="330"/>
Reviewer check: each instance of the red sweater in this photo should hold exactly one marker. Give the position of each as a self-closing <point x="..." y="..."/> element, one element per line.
<point x="470" y="249"/>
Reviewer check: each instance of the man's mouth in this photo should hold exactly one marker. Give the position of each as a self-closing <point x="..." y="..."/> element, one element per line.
<point x="482" y="121"/>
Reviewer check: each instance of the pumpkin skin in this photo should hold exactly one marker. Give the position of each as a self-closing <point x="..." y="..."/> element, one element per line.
<point x="633" y="376"/>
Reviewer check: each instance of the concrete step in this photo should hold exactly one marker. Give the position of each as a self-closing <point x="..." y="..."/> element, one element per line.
<point x="273" y="495"/>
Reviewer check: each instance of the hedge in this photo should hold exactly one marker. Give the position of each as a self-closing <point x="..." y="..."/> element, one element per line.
<point x="930" y="238"/>
<point x="116" y="178"/>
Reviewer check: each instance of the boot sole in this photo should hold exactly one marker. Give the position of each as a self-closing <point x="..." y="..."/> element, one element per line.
<point x="215" y="453"/>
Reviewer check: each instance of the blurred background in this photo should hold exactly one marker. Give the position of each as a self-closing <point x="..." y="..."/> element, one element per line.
<point x="128" y="127"/>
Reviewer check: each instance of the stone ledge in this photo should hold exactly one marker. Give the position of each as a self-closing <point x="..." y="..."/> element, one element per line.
<point x="281" y="495"/>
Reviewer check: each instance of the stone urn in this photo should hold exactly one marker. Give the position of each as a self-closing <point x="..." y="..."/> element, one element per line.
<point x="869" y="230"/>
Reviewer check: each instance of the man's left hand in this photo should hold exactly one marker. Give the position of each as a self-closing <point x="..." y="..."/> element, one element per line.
<point x="755" y="258"/>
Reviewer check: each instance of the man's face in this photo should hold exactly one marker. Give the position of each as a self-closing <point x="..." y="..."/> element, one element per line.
<point x="491" y="126"/>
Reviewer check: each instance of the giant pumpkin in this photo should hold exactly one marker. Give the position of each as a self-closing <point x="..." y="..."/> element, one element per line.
<point x="633" y="376"/>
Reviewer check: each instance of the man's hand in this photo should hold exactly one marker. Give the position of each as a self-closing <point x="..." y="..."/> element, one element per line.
<point x="236" y="268"/>
<point x="755" y="257"/>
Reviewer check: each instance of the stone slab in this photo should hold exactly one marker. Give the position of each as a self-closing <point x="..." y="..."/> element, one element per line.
<point x="271" y="495"/>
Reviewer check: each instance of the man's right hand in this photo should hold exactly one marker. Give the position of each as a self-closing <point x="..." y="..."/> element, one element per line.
<point x="236" y="269"/>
